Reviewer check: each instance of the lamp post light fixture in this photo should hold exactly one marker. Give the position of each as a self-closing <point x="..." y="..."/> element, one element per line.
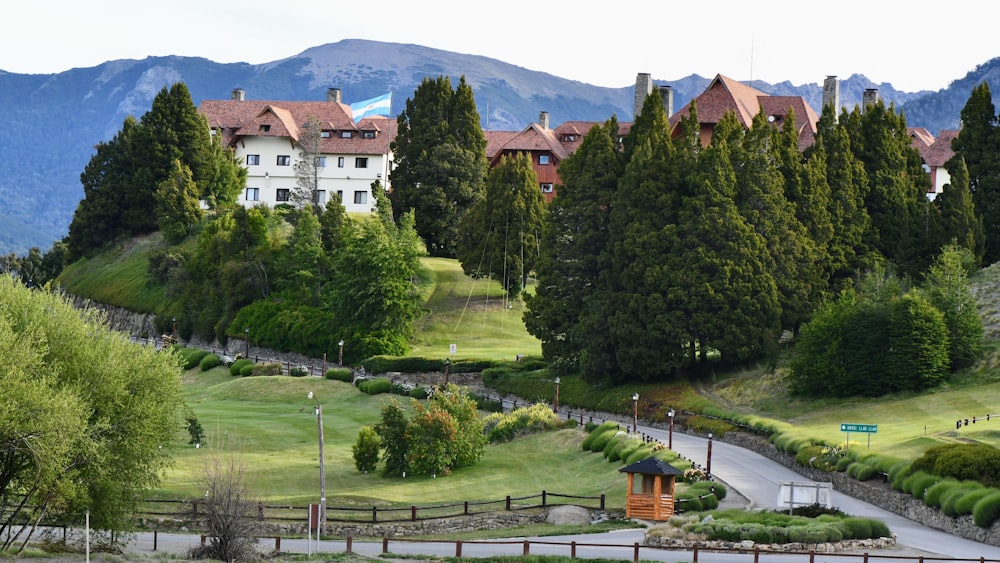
<point x="174" y="333"/>
<point x="340" y="354"/>
<point x="708" y="460"/>
<point x="555" y="404"/>
<point x="321" y="528"/>
<point x="447" y="367"/>
<point x="635" y="412"/>
<point x="670" y="433"/>
<point x="246" y="342"/>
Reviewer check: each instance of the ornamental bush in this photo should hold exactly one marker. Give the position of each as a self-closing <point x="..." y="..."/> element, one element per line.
<point x="339" y="374"/>
<point x="936" y="492"/>
<point x="986" y="510"/>
<point x="236" y="368"/>
<point x="964" y="504"/>
<point x="209" y="361"/>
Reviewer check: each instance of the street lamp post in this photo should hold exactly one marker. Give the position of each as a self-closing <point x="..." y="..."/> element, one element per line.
<point x="708" y="460"/>
<point x="174" y="333"/>
<point x="555" y="404"/>
<point x="246" y="342"/>
<point x="635" y="412"/>
<point x="447" y="367"/>
<point x="670" y="433"/>
<point x="321" y="528"/>
<point x="340" y="354"/>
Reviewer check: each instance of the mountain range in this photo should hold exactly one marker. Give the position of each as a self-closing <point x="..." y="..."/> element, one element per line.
<point x="57" y="119"/>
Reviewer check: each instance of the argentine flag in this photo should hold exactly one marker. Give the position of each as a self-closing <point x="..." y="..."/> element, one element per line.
<point x="381" y="105"/>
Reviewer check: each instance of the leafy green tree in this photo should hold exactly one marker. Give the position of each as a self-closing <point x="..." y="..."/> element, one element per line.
<point x="441" y="163"/>
<point x="946" y="286"/>
<point x="303" y="264"/>
<point x="499" y="236"/>
<point x="978" y="143"/>
<point x="469" y="443"/>
<point x="574" y="237"/>
<point x="83" y="421"/>
<point x="917" y="357"/>
<point x="391" y="430"/>
<point x="430" y="434"/>
<point x="366" y="449"/>
<point x="177" y="204"/>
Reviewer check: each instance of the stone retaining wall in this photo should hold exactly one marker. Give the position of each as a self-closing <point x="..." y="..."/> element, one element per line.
<point x="875" y="492"/>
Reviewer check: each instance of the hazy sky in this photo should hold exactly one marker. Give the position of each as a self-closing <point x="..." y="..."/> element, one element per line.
<point x="914" y="46"/>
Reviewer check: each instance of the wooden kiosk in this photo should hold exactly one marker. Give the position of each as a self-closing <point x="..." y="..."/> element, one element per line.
<point x="651" y="496"/>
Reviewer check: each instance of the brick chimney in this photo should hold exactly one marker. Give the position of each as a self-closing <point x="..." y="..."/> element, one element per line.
<point x="831" y="94"/>
<point x="667" y="95"/>
<point x="869" y="98"/>
<point x="239" y="94"/>
<point x="333" y="95"/>
<point x="643" y="88"/>
<point x="543" y="119"/>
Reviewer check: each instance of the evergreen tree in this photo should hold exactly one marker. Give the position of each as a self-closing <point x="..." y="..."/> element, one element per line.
<point x="499" y="236"/>
<point x="303" y="265"/>
<point x="107" y="179"/>
<point x="573" y="239"/>
<point x="227" y="176"/>
<point x="177" y="204"/>
<point x="946" y="286"/>
<point x="978" y="143"/>
<point x="441" y="163"/>
<point x="959" y="223"/>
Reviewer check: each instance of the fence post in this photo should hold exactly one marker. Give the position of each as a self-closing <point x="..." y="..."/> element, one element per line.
<point x="812" y="556"/>
<point x="385" y="544"/>
<point x="756" y="554"/>
<point x="413" y="513"/>
<point x="466" y="509"/>
<point x="543" y="498"/>
<point x="277" y="543"/>
<point x="572" y="550"/>
<point x="602" y="501"/>
<point x="508" y="503"/>
<point x="694" y="554"/>
<point x="155" y="537"/>
<point x="866" y="558"/>
<point x="374" y="514"/>
<point x="635" y="551"/>
<point x="458" y="549"/>
<point x="260" y="511"/>
<point x="350" y="542"/>
<point x="526" y="549"/>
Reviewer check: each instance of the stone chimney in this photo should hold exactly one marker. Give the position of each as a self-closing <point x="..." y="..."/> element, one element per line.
<point x="831" y="94"/>
<point x="333" y="95"/>
<point x="543" y="119"/>
<point x="667" y="95"/>
<point x="239" y="94"/>
<point x="869" y="98"/>
<point x="643" y="88"/>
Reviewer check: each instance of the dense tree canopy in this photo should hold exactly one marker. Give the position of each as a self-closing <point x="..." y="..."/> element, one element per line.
<point x="84" y="415"/>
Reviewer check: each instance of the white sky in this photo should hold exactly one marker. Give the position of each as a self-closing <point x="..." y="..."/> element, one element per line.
<point x="913" y="46"/>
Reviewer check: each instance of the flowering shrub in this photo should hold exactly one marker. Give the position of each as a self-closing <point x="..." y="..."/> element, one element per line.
<point x="504" y="427"/>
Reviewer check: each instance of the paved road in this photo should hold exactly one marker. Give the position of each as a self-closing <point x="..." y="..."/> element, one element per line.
<point x="751" y="475"/>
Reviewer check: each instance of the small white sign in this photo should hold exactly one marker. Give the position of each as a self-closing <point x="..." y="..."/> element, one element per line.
<point x="452" y="348"/>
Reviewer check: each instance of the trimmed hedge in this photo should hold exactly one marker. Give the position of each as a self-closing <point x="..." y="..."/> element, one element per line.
<point x="339" y="374"/>
<point x="986" y="510"/>
<point x="236" y="368"/>
<point x="209" y="361"/>
<point x="375" y="386"/>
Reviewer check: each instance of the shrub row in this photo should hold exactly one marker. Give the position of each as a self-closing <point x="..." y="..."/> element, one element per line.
<point x="792" y="529"/>
<point x="340" y="374"/>
<point x="503" y="427"/>
<point x="409" y="364"/>
<point x="375" y="386"/>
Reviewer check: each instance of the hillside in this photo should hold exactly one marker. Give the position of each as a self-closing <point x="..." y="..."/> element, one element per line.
<point x="41" y="187"/>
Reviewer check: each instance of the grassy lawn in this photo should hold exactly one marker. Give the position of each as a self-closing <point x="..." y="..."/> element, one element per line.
<point x="472" y="314"/>
<point x="270" y="421"/>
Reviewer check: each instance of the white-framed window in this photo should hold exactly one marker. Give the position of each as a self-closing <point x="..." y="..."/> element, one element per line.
<point x="345" y="134"/>
<point x="369" y="134"/>
<point x="324" y="134"/>
<point x="282" y="194"/>
<point x="543" y="159"/>
<point x="340" y="196"/>
<point x="360" y="197"/>
<point x="361" y="162"/>
<point x="340" y="162"/>
<point x="253" y="159"/>
<point x="547" y="188"/>
<point x="284" y="160"/>
<point x="321" y="197"/>
<point x="253" y="194"/>
<point x="265" y="128"/>
<point x="569" y="138"/>
<point x="320" y="162"/>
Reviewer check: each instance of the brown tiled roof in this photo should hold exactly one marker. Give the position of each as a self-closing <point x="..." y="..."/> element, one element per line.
<point x="724" y="95"/>
<point x="940" y="150"/>
<point x="496" y="140"/>
<point x="533" y="139"/>
<point x="245" y="118"/>
<point x="920" y="136"/>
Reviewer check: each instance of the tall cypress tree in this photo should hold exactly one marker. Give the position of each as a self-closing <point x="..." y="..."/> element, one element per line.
<point x="440" y="153"/>
<point x="979" y="144"/>
<point x="573" y="239"/>
<point x="959" y="223"/>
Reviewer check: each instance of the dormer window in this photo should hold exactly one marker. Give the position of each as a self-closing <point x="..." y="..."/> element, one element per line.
<point x="324" y="134"/>
<point x="369" y="134"/>
<point x="569" y="138"/>
<point x="345" y="135"/>
<point x="265" y="128"/>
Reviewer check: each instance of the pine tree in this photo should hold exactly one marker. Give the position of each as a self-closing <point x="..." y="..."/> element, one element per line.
<point x="574" y="237"/>
<point x="441" y="163"/>
<point x="499" y="236"/>
<point x="177" y="204"/>
<point x="978" y="143"/>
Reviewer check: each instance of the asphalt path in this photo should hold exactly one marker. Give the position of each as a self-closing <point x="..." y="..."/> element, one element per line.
<point x="745" y="472"/>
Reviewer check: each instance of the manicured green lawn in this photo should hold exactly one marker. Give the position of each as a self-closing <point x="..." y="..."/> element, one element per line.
<point x="271" y="423"/>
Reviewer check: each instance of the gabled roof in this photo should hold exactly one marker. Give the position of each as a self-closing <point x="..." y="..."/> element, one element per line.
<point x="536" y="138"/>
<point x="940" y="151"/>
<point x="651" y="466"/>
<point x="724" y="95"/>
<point x="236" y="119"/>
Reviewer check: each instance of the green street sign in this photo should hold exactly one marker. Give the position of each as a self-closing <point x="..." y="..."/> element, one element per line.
<point x="870" y="428"/>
